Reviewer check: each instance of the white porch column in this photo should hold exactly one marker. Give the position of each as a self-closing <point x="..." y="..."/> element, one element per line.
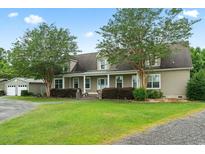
<point x="63" y="83"/>
<point x="84" y="84"/>
<point x="108" y="80"/>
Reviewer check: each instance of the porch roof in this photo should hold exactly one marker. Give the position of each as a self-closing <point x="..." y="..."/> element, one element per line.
<point x="111" y="72"/>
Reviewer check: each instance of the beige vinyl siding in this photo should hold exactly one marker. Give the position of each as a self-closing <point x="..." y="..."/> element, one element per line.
<point x="127" y="80"/>
<point x="66" y="82"/>
<point x="37" y="88"/>
<point x="173" y="83"/>
<point x="93" y="84"/>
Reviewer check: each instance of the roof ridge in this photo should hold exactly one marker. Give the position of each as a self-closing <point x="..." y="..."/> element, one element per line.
<point x="87" y="53"/>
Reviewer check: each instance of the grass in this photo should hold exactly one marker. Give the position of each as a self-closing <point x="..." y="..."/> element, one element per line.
<point x="88" y="121"/>
<point x="37" y="99"/>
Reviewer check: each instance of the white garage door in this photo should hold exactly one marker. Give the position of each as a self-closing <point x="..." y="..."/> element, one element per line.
<point x="21" y="87"/>
<point x="11" y="90"/>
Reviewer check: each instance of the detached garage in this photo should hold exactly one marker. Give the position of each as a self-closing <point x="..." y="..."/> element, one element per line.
<point x="15" y="86"/>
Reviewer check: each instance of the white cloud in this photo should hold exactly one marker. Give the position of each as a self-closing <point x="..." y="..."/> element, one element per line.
<point x="89" y="34"/>
<point x="13" y="14"/>
<point x="191" y="13"/>
<point x="33" y="19"/>
<point x="180" y="16"/>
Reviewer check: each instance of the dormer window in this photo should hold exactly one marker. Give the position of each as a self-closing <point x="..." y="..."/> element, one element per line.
<point x="154" y="62"/>
<point x="102" y="64"/>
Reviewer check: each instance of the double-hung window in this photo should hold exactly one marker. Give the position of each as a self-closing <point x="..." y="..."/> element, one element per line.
<point x="153" y="62"/>
<point x="75" y="82"/>
<point x="102" y="64"/>
<point x="119" y="81"/>
<point x="87" y="82"/>
<point x="58" y="83"/>
<point x="153" y="81"/>
<point x="135" y="81"/>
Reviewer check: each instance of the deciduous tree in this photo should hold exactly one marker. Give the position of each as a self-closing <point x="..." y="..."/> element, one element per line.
<point x="43" y="52"/>
<point x="139" y="35"/>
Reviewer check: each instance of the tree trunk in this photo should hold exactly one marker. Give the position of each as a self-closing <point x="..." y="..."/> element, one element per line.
<point x="142" y="77"/>
<point x="48" y="88"/>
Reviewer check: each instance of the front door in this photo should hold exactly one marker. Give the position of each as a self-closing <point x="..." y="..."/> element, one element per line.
<point x="101" y="83"/>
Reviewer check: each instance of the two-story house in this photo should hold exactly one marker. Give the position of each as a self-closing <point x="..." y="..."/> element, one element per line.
<point x="91" y="73"/>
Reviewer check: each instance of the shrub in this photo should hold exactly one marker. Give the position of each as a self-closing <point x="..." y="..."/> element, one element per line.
<point x="196" y="87"/>
<point x="69" y="93"/>
<point x="110" y="93"/>
<point x="117" y="93"/>
<point x="2" y="93"/>
<point x="154" y="94"/>
<point x="140" y="94"/>
<point x="26" y="93"/>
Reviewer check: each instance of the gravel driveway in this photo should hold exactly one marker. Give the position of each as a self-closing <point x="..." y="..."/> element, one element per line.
<point x="190" y="130"/>
<point x="12" y="108"/>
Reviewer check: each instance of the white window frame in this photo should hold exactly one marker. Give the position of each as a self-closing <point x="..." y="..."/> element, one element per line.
<point x="137" y="78"/>
<point x="156" y="64"/>
<point x="159" y="80"/>
<point x="55" y="83"/>
<point x="77" y="80"/>
<point x="89" y="83"/>
<point x="105" y="82"/>
<point x="99" y="63"/>
<point x="116" y="80"/>
<point x="102" y="60"/>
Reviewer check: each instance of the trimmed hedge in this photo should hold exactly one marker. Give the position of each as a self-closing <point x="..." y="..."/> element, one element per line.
<point x="140" y="94"/>
<point x="70" y="92"/>
<point x="196" y="87"/>
<point x="153" y="94"/>
<point x="2" y="93"/>
<point x="117" y="93"/>
<point x="130" y="93"/>
<point x="26" y="93"/>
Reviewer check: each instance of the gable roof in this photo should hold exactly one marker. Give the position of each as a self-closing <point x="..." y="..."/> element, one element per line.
<point x="179" y="58"/>
<point x="27" y="80"/>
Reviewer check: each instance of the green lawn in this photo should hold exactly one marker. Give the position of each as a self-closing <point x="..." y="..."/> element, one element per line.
<point x="88" y="122"/>
<point x="37" y="99"/>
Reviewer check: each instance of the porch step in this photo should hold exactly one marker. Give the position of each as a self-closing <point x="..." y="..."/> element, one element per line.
<point x="90" y="96"/>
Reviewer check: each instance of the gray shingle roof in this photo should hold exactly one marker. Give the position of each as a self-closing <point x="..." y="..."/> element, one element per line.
<point x="179" y="58"/>
<point x="30" y="80"/>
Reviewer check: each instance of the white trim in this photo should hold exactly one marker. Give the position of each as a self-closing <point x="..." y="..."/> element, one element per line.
<point x="116" y="80"/>
<point x="63" y="82"/>
<point x="159" y="80"/>
<point x="89" y="83"/>
<point x="28" y="86"/>
<point x="84" y="78"/>
<point x="94" y="93"/>
<point x="99" y="79"/>
<point x="157" y="62"/>
<point x="137" y="78"/>
<point x="108" y="80"/>
<point x="112" y="72"/>
<point x="99" y="64"/>
<point x="78" y="81"/>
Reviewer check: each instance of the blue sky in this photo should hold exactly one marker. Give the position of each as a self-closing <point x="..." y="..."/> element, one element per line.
<point x="82" y="23"/>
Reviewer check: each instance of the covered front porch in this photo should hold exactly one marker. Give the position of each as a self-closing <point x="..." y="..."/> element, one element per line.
<point x="93" y="81"/>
